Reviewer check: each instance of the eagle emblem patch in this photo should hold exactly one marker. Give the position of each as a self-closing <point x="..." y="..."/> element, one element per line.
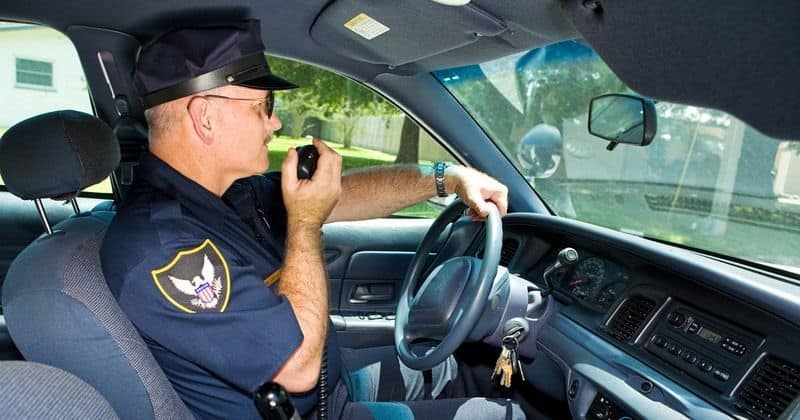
<point x="196" y="280"/>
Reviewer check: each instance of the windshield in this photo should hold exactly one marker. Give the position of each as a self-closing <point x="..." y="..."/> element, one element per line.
<point x="707" y="181"/>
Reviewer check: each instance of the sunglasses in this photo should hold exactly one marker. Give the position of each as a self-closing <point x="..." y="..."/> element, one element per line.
<point x="269" y="101"/>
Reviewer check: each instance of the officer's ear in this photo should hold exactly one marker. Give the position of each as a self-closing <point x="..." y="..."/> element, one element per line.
<point x="200" y="112"/>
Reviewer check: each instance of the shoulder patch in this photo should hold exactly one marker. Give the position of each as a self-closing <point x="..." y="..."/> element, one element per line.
<point x="196" y="280"/>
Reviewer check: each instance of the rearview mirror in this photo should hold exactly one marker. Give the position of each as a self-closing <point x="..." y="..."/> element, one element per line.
<point x="621" y="118"/>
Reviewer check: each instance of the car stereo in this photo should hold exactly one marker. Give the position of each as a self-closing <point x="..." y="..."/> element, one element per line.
<point x="705" y="347"/>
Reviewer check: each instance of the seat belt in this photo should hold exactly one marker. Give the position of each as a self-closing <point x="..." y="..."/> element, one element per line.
<point x="130" y="148"/>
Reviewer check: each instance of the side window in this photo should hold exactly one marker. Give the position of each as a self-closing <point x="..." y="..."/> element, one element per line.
<point x="40" y="72"/>
<point x="361" y="125"/>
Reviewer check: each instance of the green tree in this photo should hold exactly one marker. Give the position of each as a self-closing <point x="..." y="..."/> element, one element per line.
<point x="563" y="90"/>
<point x="326" y="96"/>
<point x="408" y="152"/>
<point x="548" y="91"/>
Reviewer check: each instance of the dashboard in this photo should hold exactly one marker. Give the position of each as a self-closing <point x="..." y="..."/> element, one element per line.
<point x="646" y="330"/>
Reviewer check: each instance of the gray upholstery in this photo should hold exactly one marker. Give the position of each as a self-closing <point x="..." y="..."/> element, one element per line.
<point x="35" y="391"/>
<point x="58" y="307"/>
<point x="57" y="154"/>
<point x="60" y="311"/>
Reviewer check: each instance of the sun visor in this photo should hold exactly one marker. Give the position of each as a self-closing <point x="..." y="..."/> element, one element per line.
<point x="739" y="56"/>
<point x="397" y="32"/>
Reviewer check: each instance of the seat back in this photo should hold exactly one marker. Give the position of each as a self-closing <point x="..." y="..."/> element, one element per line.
<point x="35" y="391"/>
<point x="58" y="307"/>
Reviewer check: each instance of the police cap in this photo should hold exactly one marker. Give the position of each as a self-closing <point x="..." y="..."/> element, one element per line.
<point x="188" y="60"/>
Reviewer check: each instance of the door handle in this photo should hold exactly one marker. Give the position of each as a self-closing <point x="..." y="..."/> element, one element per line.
<point x="372" y="293"/>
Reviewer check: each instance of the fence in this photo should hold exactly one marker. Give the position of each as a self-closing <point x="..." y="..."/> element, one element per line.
<point x="382" y="133"/>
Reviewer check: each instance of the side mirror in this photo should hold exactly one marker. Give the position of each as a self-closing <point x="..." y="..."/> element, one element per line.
<point x="621" y="118"/>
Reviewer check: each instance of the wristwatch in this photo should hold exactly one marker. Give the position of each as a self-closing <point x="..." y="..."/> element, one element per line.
<point x="438" y="176"/>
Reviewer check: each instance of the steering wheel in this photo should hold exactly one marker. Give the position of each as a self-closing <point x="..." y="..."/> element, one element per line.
<point x="433" y="322"/>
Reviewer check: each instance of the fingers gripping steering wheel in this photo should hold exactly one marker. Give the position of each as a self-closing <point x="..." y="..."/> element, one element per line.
<point x="450" y="301"/>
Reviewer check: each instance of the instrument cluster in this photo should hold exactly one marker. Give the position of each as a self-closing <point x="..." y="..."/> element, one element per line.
<point x="595" y="281"/>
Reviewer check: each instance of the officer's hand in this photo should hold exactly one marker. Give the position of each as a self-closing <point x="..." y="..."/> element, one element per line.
<point x="476" y="188"/>
<point x="309" y="201"/>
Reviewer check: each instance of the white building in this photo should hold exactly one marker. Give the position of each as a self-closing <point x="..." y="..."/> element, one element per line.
<point x="39" y="72"/>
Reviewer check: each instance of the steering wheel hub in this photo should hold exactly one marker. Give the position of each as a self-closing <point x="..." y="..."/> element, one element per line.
<point x="434" y="307"/>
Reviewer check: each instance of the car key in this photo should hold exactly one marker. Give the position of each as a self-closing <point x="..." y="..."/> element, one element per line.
<point x="306" y="161"/>
<point x="503" y="367"/>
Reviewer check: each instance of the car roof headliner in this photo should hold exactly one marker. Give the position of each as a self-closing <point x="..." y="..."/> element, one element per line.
<point x="737" y="56"/>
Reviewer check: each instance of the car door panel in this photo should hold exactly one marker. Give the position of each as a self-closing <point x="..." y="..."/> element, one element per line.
<point x="371" y="253"/>
<point x="367" y="261"/>
<point x="373" y="280"/>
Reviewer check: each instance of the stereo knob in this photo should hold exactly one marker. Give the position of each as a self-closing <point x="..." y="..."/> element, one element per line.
<point x="676" y="319"/>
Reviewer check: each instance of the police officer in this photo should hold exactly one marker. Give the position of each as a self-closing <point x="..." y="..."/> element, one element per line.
<point x="220" y="268"/>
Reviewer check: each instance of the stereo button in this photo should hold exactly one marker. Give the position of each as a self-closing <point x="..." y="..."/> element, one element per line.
<point x="722" y="374"/>
<point x="675" y="349"/>
<point x="705" y="366"/>
<point x="660" y="341"/>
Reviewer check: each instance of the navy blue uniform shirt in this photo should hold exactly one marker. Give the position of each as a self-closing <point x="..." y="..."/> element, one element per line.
<point x="189" y="270"/>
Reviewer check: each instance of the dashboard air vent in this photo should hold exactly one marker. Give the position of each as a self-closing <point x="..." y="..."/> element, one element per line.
<point x="508" y="251"/>
<point x="773" y="386"/>
<point x="629" y="317"/>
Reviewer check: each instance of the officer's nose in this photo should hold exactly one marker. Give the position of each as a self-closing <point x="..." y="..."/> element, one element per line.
<point x="274" y="122"/>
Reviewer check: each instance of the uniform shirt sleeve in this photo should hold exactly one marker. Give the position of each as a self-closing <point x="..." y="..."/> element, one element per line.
<point x="243" y="338"/>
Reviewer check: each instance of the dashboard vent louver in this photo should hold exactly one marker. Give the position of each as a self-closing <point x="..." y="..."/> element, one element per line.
<point x="773" y="386"/>
<point x="629" y="317"/>
<point x="508" y="251"/>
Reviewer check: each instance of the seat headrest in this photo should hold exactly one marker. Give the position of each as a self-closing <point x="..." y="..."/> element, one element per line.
<point x="55" y="155"/>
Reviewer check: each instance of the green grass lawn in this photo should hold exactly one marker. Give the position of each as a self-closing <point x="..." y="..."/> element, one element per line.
<point x="352" y="157"/>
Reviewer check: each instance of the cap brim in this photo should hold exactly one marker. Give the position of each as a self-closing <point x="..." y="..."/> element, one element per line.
<point x="267" y="82"/>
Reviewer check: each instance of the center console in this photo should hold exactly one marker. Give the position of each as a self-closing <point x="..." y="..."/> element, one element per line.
<point x="715" y="352"/>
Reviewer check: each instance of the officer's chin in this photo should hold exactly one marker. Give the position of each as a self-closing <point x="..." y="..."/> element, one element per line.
<point x="261" y="166"/>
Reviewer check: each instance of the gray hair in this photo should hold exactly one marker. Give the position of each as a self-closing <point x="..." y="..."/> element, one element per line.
<point x="160" y="119"/>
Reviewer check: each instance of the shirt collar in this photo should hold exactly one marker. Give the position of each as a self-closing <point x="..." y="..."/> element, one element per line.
<point x="205" y="205"/>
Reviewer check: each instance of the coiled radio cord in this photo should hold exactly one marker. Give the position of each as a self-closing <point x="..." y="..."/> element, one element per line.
<point x="322" y="411"/>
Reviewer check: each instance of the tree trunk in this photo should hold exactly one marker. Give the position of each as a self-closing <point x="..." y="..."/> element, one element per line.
<point x="347" y="128"/>
<point x="409" y="143"/>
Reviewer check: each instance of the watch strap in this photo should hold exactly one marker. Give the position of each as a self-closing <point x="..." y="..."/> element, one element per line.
<point x="438" y="176"/>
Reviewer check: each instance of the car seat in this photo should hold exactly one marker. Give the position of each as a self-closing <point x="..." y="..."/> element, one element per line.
<point x="58" y="307"/>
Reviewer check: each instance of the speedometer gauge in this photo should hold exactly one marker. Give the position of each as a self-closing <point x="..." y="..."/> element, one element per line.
<point x="587" y="278"/>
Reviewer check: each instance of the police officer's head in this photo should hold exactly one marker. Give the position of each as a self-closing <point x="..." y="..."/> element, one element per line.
<point x="211" y="83"/>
